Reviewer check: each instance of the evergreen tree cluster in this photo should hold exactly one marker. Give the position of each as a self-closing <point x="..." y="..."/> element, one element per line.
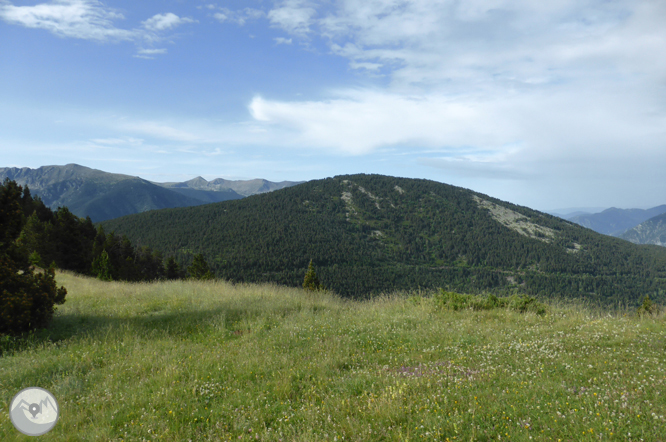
<point x="27" y="298"/>
<point x="61" y="239"/>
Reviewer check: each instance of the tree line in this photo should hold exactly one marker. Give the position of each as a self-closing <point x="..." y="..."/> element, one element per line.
<point x="35" y="240"/>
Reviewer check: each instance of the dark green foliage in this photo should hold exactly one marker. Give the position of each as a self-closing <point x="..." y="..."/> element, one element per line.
<point x="27" y="299"/>
<point x="456" y="301"/>
<point x="72" y="243"/>
<point x="199" y="269"/>
<point x="311" y="280"/>
<point x="35" y="259"/>
<point x="172" y="269"/>
<point x="12" y="219"/>
<point x="647" y="308"/>
<point x="368" y="237"/>
<point x="101" y="267"/>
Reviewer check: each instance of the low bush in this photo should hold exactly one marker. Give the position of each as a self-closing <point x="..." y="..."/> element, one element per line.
<point x="456" y="301"/>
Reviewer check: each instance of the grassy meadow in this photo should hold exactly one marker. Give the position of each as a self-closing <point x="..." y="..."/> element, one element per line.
<point x="199" y="361"/>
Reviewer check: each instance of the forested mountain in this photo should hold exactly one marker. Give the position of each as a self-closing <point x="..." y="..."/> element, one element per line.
<point x="615" y="221"/>
<point x="102" y="195"/>
<point x="652" y="231"/>
<point x="369" y="233"/>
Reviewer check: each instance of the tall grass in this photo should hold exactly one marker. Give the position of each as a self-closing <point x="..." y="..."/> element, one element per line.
<point x="179" y="361"/>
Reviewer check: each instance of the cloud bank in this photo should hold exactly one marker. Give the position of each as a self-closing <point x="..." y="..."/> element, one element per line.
<point x="507" y="87"/>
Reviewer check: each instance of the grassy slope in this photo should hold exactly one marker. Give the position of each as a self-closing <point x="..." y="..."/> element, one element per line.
<point x="211" y="361"/>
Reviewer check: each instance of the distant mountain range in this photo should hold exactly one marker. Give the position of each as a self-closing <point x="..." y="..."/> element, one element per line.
<point x="574" y="211"/>
<point x="103" y="196"/>
<point x="199" y="187"/>
<point x="615" y="221"/>
<point x="370" y="234"/>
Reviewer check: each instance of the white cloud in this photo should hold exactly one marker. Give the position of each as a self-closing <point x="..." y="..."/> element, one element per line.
<point x="123" y="141"/>
<point x="365" y="65"/>
<point x="84" y="19"/>
<point x="294" y="16"/>
<point x="239" y="17"/>
<point x="161" y="22"/>
<point x="149" y="54"/>
<point x="282" y="40"/>
<point x="160" y="130"/>
<point x="565" y="80"/>
<point x="480" y="41"/>
<point x="88" y="20"/>
<point x="152" y="51"/>
<point x="358" y="121"/>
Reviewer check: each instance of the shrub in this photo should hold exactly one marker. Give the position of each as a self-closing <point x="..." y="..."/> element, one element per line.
<point x="647" y="308"/>
<point x="27" y="300"/>
<point x="456" y="301"/>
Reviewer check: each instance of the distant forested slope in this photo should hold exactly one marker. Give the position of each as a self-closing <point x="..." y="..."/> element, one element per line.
<point x="370" y="233"/>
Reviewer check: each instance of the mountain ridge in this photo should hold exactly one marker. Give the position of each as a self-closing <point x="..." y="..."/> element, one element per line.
<point x="103" y="195"/>
<point x="241" y="187"/>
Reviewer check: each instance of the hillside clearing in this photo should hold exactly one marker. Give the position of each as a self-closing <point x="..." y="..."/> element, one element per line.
<point x="197" y="361"/>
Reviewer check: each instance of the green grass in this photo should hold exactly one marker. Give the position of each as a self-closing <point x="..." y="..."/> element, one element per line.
<point x="179" y="361"/>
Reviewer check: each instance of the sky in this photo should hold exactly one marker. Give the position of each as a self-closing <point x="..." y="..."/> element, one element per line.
<point x="546" y="104"/>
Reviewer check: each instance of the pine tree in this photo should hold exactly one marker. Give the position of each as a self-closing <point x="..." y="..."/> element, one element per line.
<point x="311" y="281"/>
<point x="172" y="269"/>
<point x="101" y="267"/>
<point x="199" y="268"/>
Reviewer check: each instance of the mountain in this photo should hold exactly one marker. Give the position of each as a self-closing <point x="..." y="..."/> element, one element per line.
<point x="94" y="193"/>
<point x="652" y="231"/>
<point x="614" y="221"/>
<point x="102" y="195"/>
<point x="244" y="188"/>
<point x="370" y="233"/>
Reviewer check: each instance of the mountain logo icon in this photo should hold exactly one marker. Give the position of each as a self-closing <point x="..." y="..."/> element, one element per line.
<point x="34" y="411"/>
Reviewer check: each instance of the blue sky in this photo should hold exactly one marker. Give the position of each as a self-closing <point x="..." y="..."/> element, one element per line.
<point x="545" y="104"/>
